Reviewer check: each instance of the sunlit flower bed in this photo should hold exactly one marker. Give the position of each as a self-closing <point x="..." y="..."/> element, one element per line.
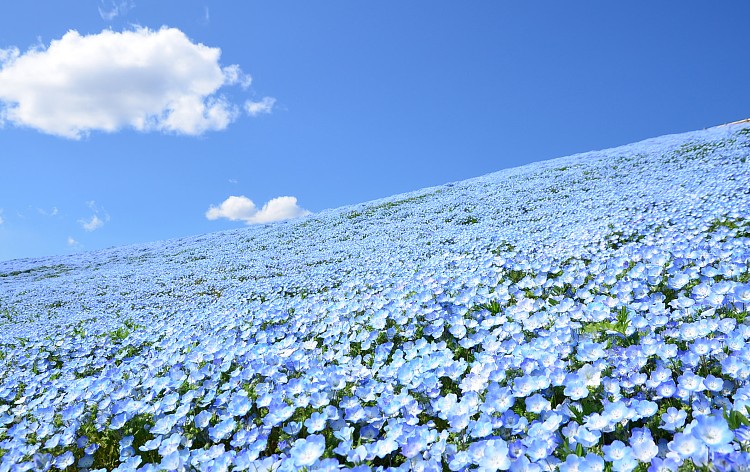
<point x="585" y="313"/>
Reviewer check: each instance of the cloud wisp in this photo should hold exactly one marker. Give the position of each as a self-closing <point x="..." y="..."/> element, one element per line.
<point x="260" y="107"/>
<point x="241" y="208"/>
<point x="112" y="9"/>
<point x="147" y="80"/>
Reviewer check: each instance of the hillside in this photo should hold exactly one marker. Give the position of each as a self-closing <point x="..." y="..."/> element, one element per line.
<point x="578" y="312"/>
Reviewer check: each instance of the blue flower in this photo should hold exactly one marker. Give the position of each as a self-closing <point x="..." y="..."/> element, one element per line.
<point x="490" y="455"/>
<point x="202" y="419"/>
<point x="673" y="419"/>
<point x="713" y="430"/>
<point x="221" y="430"/>
<point x="687" y="446"/>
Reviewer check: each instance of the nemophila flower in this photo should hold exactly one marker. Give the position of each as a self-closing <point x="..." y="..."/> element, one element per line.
<point x="306" y="451"/>
<point x="686" y="446"/>
<point x="645" y="408"/>
<point x="586" y="437"/>
<point x="591" y="462"/>
<point x="690" y="382"/>
<point x="202" y="419"/>
<point x="169" y="445"/>
<point x="490" y="455"/>
<point x="357" y="454"/>
<point x="672" y="419"/>
<point x="616" y="451"/>
<point x="642" y="444"/>
<point x="713" y="431"/>
<point x="537" y="403"/>
<point x="664" y="465"/>
<point x="666" y="389"/>
<point x="742" y="294"/>
<point x="151" y="444"/>
<point x="316" y="422"/>
<point x="222" y="429"/>
<point x="616" y="412"/>
<point x="678" y="281"/>
<point x="575" y="387"/>
<point x="170" y="461"/>
<point x="64" y="460"/>
<point x="523" y="464"/>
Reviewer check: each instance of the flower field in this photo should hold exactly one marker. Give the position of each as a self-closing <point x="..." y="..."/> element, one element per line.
<point x="584" y="313"/>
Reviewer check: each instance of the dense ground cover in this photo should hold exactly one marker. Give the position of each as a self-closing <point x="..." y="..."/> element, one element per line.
<point x="584" y="313"/>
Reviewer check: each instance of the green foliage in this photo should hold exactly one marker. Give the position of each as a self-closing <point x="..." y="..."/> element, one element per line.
<point x="735" y="419"/>
<point x="469" y="220"/>
<point x="616" y="331"/>
<point x="617" y="239"/>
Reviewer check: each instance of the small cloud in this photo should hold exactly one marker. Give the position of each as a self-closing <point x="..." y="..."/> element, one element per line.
<point x="53" y="212"/>
<point x="233" y="181"/>
<point x="243" y="209"/>
<point x="112" y="9"/>
<point x="206" y="14"/>
<point x="94" y="222"/>
<point x="72" y="242"/>
<point x="257" y="108"/>
<point x="147" y="80"/>
<point x="91" y="224"/>
<point x="1" y="216"/>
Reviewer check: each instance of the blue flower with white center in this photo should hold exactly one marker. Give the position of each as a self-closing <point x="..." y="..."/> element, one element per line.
<point x="616" y="451"/>
<point x="690" y="382"/>
<point x="672" y="419"/>
<point x="171" y="461"/>
<point x="459" y="461"/>
<point x="316" y="422"/>
<point x="169" y="444"/>
<point x="221" y="430"/>
<point x="666" y="389"/>
<point x="482" y="427"/>
<point x="713" y="430"/>
<point x="575" y="387"/>
<point x="202" y="419"/>
<point x="164" y="425"/>
<point x="590" y="463"/>
<point x="616" y="412"/>
<point x="686" y="446"/>
<point x="642" y="444"/>
<point x="239" y="405"/>
<point x="64" y="460"/>
<point x="537" y="403"/>
<point x="742" y="294"/>
<point x="490" y="455"/>
<point x="664" y="465"/>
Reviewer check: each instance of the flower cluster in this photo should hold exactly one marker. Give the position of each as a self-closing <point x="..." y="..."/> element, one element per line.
<point x="584" y="313"/>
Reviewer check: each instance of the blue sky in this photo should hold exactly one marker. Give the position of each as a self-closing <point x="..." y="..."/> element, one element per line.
<point x="133" y="121"/>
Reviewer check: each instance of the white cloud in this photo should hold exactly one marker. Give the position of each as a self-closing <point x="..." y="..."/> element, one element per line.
<point x="72" y="242"/>
<point x="142" y="79"/>
<point x="111" y="9"/>
<point x="257" y="108"/>
<point x="92" y="224"/>
<point x="243" y="209"/>
<point x="1" y="216"/>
